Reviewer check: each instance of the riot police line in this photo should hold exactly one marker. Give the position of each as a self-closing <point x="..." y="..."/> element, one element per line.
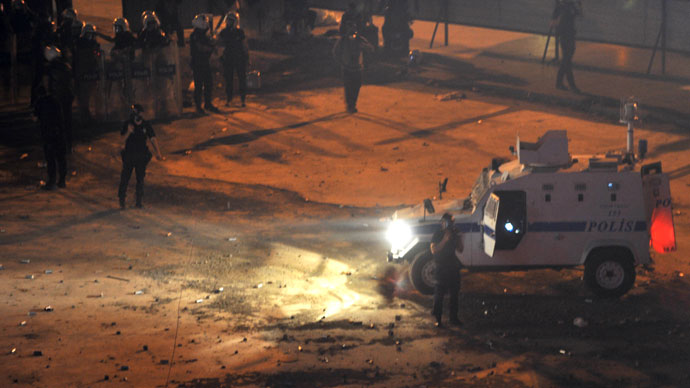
<point x="143" y="70"/>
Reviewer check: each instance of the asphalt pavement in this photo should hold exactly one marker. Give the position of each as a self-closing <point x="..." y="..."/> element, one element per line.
<point x="512" y="65"/>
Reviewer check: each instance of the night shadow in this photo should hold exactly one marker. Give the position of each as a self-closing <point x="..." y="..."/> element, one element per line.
<point x="422" y="133"/>
<point x="247" y="137"/>
<point x="58" y="227"/>
<point x="679" y="172"/>
<point x="466" y="71"/>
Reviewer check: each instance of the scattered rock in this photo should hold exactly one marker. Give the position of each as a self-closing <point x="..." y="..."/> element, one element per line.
<point x="450" y="96"/>
<point x="124" y="367"/>
<point x="38" y="353"/>
<point x="580" y="322"/>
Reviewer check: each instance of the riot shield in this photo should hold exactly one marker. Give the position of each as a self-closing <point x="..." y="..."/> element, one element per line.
<point x="142" y="82"/>
<point x="156" y="81"/>
<point x="90" y="87"/>
<point x="166" y="82"/>
<point x="118" y="86"/>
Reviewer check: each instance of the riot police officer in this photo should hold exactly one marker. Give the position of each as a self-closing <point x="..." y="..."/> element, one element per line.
<point x="201" y="47"/>
<point x="151" y="35"/>
<point x="135" y="154"/>
<point x="168" y="11"/>
<point x="124" y="40"/>
<point x="444" y="243"/>
<point x="235" y="57"/>
<point x="57" y="80"/>
<point x="69" y="30"/>
<point x="48" y="110"/>
<point x="348" y="52"/>
<point x="87" y="68"/>
<point x="564" y="20"/>
<point x="396" y="29"/>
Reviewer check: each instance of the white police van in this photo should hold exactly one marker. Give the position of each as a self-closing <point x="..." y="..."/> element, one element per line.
<point x="547" y="209"/>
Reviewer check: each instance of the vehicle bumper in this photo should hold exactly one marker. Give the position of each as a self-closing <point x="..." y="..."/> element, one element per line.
<point x="397" y="255"/>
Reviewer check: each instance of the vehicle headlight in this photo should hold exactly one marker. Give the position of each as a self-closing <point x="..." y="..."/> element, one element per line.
<point x="399" y="234"/>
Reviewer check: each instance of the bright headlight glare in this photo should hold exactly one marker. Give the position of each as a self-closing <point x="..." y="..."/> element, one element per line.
<point x="399" y="234"/>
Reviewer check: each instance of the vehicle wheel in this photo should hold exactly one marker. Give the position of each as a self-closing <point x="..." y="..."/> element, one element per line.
<point x="609" y="273"/>
<point x="422" y="272"/>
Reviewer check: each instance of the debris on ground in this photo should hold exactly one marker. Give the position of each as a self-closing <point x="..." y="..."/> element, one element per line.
<point x="450" y="96"/>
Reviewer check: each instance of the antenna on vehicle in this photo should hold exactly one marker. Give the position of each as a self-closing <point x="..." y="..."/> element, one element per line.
<point x="442" y="188"/>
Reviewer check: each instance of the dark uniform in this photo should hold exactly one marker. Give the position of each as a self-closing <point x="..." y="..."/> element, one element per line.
<point x="564" y="15"/>
<point x="135" y="156"/>
<point x="168" y="11"/>
<point x="124" y="43"/>
<point x="49" y="112"/>
<point x="87" y="68"/>
<point x="396" y="29"/>
<point x="447" y="273"/>
<point x="201" y="48"/>
<point x="348" y="52"/>
<point x="235" y="59"/>
<point x="351" y="15"/>
<point x="58" y="82"/>
<point x="152" y="38"/>
<point x="44" y="35"/>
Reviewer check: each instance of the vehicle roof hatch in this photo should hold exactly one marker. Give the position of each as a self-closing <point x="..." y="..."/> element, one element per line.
<point x="550" y="150"/>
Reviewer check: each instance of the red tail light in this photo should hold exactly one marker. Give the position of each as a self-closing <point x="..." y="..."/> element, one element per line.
<point x="662" y="232"/>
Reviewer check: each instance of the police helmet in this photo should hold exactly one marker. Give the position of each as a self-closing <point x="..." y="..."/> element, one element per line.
<point x="51" y="53"/>
<point x="447" y="219"/>
<point x="200" y="22"/>
<point x="87" y="30"/>
<point x="120" y="25"/>
<point x="137" y="109"/>
<point x="149" y="18"/>
<point x="18" y="4"/>
<point x="231" y="17"/>
<point x="69" y="13"/>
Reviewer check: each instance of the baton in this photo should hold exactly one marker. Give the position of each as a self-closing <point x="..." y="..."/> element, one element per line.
<point x="546" y="48"/>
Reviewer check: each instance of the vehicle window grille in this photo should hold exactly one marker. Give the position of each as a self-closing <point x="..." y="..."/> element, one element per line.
<point x="547" y="197"/>
<point x="580" y="197"/>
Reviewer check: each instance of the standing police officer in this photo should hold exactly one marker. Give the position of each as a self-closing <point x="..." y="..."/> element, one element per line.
<point x="235" y="57"/>
<point x="87" y="68"/>
<point x="136" y="155"/>
<point x="444" y="243"/>
<point x="564" y="21"/>
<point x="348" y="52"/>
<point x="151" y="35"/>
<point x="49" y="113"/>
<point x="57" y="80"/>
<point x="201" y="47"/>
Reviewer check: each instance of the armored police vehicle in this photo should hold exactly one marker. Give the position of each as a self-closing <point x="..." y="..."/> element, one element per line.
<point x="547" y="209"/>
